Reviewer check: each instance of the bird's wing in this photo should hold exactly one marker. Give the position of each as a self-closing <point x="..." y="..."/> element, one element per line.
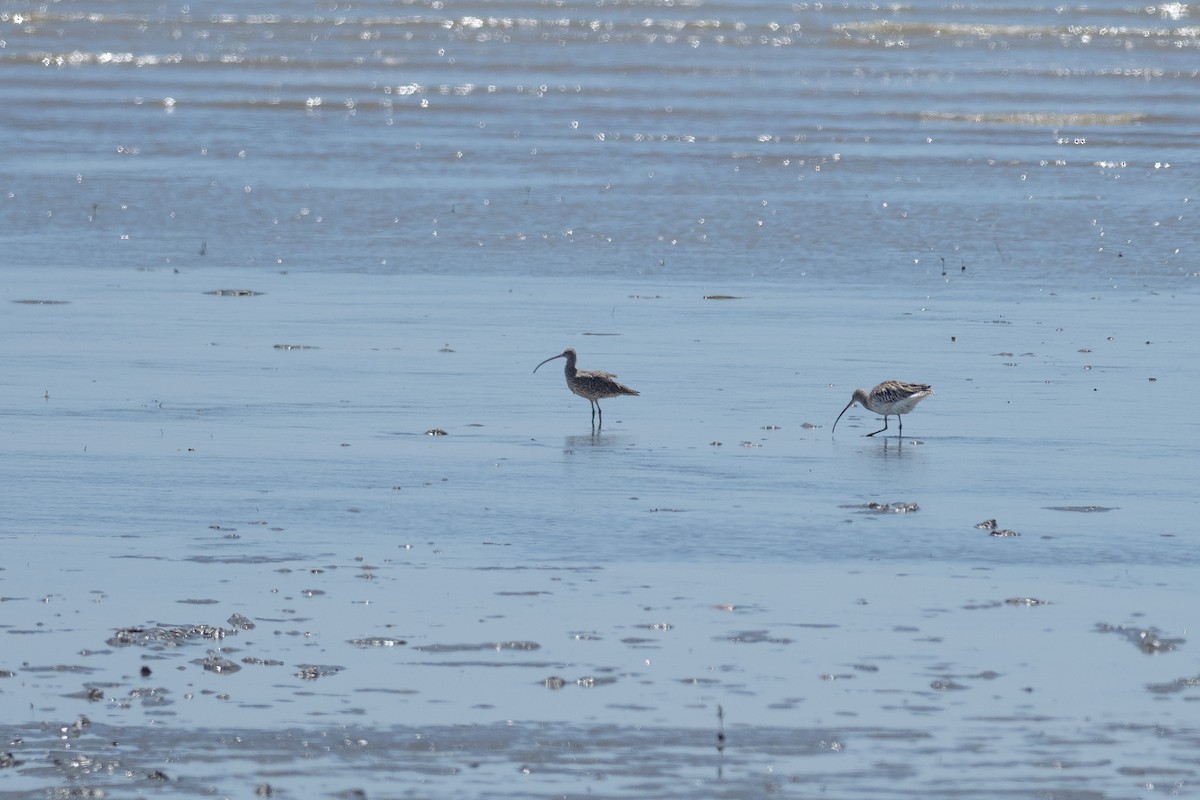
<point x="900" y="388"/>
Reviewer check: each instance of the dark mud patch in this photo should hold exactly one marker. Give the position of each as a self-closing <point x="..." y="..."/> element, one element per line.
<point x="1177" y="685"/>
<point x="159" y="637"/>
<point x="215" y="662"/>
<point x="700" y="681"/>
<point x="65" y="669"/>
<point x="583" y="568"/>
<point x="247" y="560"/>
<point x="547" y="759"/>
<point x="254" y="661"/>
<point x="556" y="682"/>
<point x="147" y="697"/>
<point x="377" y="641"/>
<point x="1148" y="640"/>
<point x="754" y="637"/>
<point x="296" y="347"/>
<point x="1083" y="509"/>
<point x="42" y="302"/>
<point x="994" y="529"/>
<point x="91" y="693"/>
<point x="310" y="672"/>
<point x="591" y="682"/>
<point x="884" y="508"/>
<point x="477" y="648"/>
<point x="640" y="641"/>
<point x="234" y="293"/>
<point x="493" y="664"/>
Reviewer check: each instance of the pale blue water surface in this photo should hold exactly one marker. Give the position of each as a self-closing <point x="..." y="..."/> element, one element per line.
<point x="747" y="211"/>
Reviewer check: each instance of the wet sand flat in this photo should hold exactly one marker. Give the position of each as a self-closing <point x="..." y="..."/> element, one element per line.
<point x="522" y="607"/>
<point x="285" y="510"/>
<point x="542" y="681"/>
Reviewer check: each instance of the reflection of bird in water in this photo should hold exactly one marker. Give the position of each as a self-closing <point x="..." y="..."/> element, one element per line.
<point x="888" y="398"/>
<point x="590" y="385"/>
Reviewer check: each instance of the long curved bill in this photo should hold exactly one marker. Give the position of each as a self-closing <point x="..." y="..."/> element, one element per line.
<point x="835" y="422"/>
<point x="551" y="358"/>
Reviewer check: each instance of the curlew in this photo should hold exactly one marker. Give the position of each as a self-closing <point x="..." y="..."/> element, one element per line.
<point x="590" y="385"/>
<point x="888" y="398"/>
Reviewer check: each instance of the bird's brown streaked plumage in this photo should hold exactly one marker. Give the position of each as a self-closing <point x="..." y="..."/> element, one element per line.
<point x="888" y="398"/>
<point x="591" y="385"/>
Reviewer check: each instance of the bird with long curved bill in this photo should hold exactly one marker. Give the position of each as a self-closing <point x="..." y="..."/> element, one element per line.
<point x="591" y="385"/>
<point x="887" y="399"/>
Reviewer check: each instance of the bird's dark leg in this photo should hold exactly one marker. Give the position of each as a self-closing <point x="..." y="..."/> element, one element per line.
<point x="601" y="411"/>
<point x="900" y="419"/>
<point x="593" y="402"/>
<point x="881" y="430"/>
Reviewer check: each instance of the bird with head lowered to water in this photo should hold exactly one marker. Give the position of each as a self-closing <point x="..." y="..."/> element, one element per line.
<point x="888" y="398"/>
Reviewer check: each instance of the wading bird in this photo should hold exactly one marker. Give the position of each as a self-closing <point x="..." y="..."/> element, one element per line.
<point x="888" y="398"/>
<point x="590" y="385"/>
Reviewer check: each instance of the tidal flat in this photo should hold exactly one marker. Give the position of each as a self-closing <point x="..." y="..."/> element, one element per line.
<point x="235" y="567"/>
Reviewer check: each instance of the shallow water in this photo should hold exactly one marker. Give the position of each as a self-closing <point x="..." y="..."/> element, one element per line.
<point x="705" y="141"/>
<point x="234" y="314"/>
<point x="414" y="593"/>
<point x="863" y="681"/>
